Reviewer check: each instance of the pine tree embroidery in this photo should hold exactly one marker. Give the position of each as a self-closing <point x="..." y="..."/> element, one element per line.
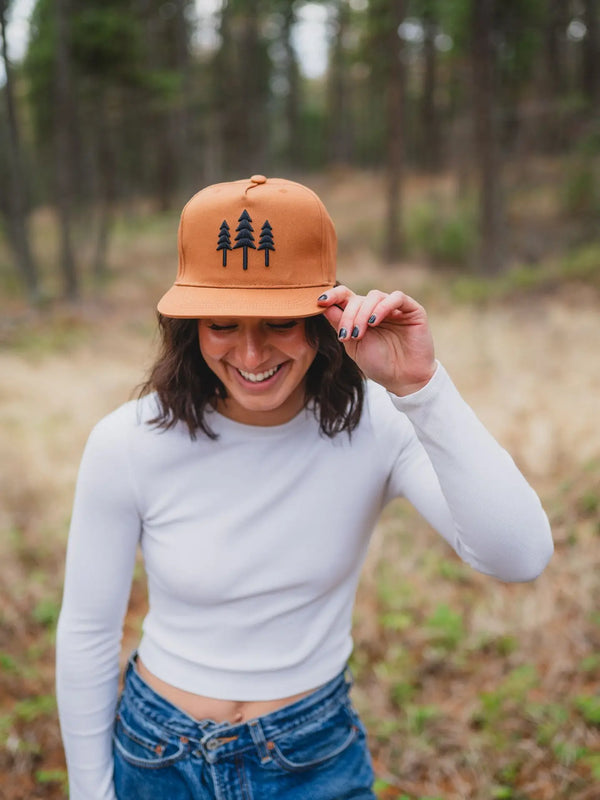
<point x="266" y="240"/>
<point x="244" y="238"/>
<point x="224" y="242"/>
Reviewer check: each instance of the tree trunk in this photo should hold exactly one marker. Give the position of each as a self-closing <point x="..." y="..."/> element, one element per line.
<point x="555" y="60"/>
<point x="106" y="169"/>
<point x="492" y="251"/>
<point x="65" y="123"/>
<point x="15" y="203"/>
<point x="429" y="118"/>
<point x="551" y="132"/>
<point x="394" y="133"/>
<point x="188" y="163"/>
<point x="254" y="91"/>
<point x="294" y="144"/>
<point x="340" y="145"/>
<point x="591" y="54"/>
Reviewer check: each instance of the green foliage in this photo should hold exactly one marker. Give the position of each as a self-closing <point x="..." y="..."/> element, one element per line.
<point x="106" y="41"/>
<point x="418" y="717"/>
<point x="396" y="620"/>
<point x="580" y="190"/>
<point x="590" y="663"/>
<point x="446" y="628"/>
<point x="583" y="263"/>
<point x="32" y="708"/>
<point x="549" y="719"/>
<point x="446" y="235"/>
<point x="8" y="665"/>
<point x="46" y="776"/>
<point x="592" y="762"/>
<point x="61" y="333"/>
<point x="511" y="693"/>
<point x="502" y="792"/>
<point x="589" y="708"/>
<point x="46" y="613"/>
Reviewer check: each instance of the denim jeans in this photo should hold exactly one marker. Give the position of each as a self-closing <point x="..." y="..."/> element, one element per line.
<point x="313" y="749"/>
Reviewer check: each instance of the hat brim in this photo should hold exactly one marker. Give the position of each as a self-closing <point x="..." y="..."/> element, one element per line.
<point x="190" y="302"/>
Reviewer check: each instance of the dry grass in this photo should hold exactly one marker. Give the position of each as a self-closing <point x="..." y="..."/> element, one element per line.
<point x="470" y="688"/>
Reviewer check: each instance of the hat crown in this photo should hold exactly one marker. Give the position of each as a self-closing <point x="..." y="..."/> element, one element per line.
<point x="254" y="235"/>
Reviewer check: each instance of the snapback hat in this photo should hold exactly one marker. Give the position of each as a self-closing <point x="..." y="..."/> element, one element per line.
<point x="260" y="247"/>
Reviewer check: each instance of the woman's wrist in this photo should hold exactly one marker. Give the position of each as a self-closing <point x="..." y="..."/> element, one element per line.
<point x="405" y="389"/>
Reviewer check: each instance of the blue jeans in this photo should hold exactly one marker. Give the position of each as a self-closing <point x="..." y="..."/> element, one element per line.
<point x="313" y="749"/>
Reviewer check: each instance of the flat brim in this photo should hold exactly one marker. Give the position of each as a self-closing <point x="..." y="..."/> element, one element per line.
<point x="190" y="302"/>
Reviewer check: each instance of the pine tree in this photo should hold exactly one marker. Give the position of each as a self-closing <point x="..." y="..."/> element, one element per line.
<point x="266" y="240"/>
<point x="224" y="242"/>
<point x="244" y="238"/>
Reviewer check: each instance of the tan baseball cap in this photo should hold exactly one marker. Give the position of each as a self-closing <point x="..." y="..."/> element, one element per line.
<point x="260" y="247"/>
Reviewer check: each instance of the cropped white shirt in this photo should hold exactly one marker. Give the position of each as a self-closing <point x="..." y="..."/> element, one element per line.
<point x="253" y="545"/>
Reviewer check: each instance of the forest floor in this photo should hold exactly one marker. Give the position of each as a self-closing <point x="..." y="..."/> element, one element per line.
<point x="470" y="688"/>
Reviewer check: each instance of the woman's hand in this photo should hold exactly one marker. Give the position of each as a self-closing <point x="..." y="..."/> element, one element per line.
<point x="386" y="334"/>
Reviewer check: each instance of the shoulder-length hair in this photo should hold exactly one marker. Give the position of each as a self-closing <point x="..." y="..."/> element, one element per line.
<point x="185" y="385"/>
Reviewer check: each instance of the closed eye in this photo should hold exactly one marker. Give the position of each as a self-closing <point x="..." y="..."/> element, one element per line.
<point x="214" y="327"/>
<point x="283" y="326"/>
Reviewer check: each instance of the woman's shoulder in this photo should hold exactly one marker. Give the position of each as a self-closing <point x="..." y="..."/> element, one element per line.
<point x="127" y="420"/>
<point x="132" y="414"/>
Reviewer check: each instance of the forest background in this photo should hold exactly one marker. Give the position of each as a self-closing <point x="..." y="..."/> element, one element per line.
<point x="457" y="146"/>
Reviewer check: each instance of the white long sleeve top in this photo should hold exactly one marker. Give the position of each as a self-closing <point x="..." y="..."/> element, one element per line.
<point x="253" y="545"/>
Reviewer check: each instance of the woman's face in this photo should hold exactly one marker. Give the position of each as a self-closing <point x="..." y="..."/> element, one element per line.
<point x="262" y="363"/>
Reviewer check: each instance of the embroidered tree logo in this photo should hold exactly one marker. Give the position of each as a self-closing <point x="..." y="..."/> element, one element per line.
<point x="266" y="240"/>
<point x="224" y="242"/>
<point x="244" y="238"/>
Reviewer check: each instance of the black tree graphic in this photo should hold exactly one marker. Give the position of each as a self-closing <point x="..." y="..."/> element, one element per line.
<point x="224" y="242"/>
<point x="244" y="237"/>
<point x="266" y="240"/>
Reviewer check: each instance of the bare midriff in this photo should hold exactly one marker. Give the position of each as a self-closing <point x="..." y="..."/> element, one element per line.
<point x="200" y="707"/>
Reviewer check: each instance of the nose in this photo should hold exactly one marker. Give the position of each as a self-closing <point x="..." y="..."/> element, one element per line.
<point x="252" y="347"/>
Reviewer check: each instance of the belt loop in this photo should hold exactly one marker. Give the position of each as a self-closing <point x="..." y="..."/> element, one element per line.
<point x="258" y="737"/>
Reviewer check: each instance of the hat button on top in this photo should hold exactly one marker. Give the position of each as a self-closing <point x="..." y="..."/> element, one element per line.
<point x="258" y="179"/>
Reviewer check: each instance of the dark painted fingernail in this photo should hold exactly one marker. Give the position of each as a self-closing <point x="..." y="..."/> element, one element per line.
<point x="343" y="333"/>
<point x="355" y="332"/>
<point x="323" y="297"/>
<point x="372" y="319"/>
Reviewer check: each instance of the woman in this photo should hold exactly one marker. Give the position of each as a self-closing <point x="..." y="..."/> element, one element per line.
<point x="251" y="471"/>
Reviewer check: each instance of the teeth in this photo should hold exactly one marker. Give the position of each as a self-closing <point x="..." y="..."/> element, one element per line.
<point x="259" y="376"/>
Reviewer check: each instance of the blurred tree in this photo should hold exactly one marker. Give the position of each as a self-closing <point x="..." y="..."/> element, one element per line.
<point x="428" y="136"/>
<point x="483" y="72"/>
<point x="555" y="34"/>
<point x="385" y="19"/>
<point x="242" y="70"/>
<point x="591" y="53"/>
<point x="132" y="99"/>
<point x="164" y="99"/>
<point x="339" y="86"/>
<point x="64" y="126"/>
<point x="13" y="202"/>
<point x="293" y="144"/>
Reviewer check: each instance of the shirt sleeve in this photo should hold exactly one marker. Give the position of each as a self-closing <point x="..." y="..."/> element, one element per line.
<point x="468" y="487"/>
<point x="105" y="529"/>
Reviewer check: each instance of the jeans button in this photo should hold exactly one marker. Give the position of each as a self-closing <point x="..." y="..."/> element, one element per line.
<point x="212" y="744"/>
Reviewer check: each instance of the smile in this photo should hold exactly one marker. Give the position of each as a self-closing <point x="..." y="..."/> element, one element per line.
<point x="259" y="377"/>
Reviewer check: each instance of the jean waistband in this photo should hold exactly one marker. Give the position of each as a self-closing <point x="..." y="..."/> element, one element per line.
<point x="212" y="734"/>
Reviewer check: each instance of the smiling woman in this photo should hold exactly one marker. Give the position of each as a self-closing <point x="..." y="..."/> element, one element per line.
<point x="274" y="390"/>
<point x="262" y="365"/>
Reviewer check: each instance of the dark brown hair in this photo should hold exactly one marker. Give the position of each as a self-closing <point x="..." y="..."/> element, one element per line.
<point x="186" y="385"/>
